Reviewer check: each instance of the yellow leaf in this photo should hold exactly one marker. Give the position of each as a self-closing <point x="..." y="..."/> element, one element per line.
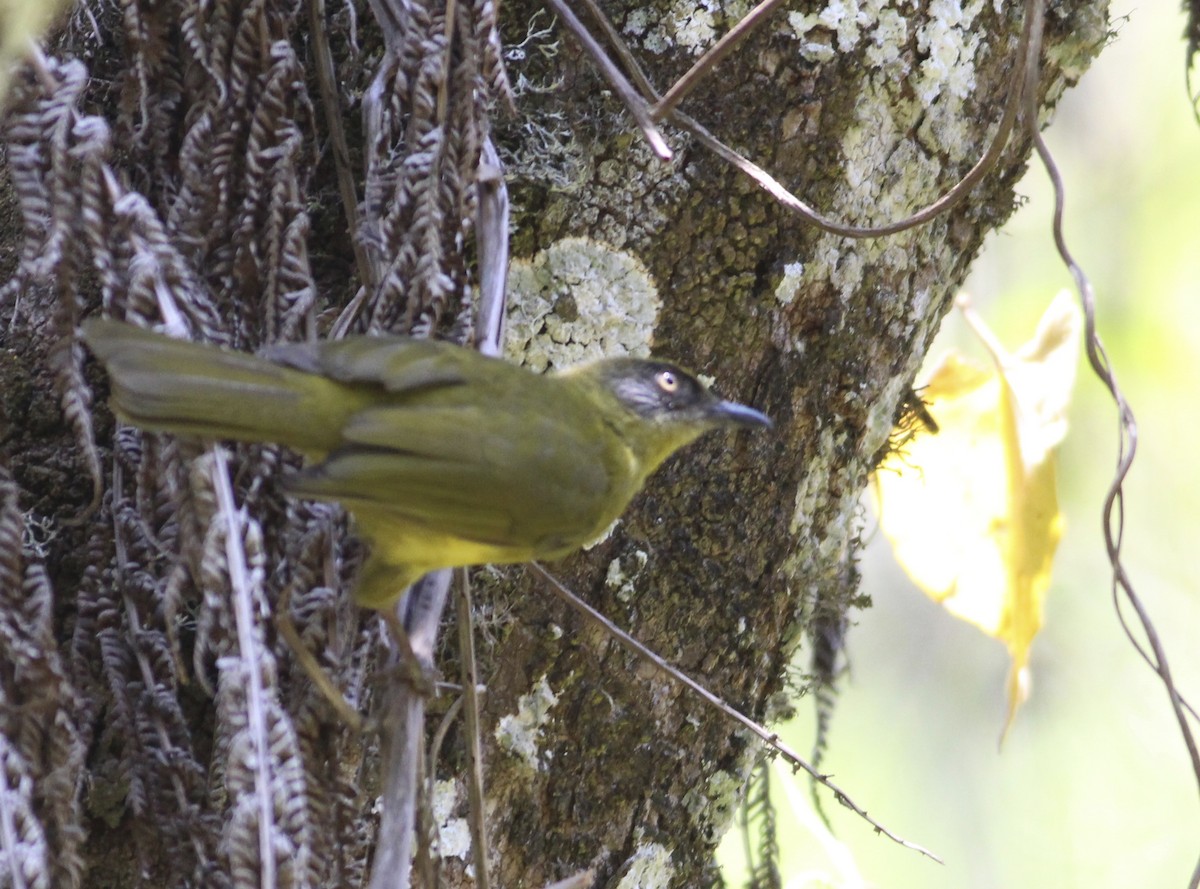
<point x="21" y="21"/>
<point x="971" y="511"/>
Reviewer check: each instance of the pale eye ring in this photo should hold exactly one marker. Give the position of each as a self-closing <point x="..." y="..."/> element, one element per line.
<point x="668" y="381"/>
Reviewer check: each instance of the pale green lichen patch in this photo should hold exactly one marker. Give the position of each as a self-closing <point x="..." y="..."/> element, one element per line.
<point x="688" y="24"/>
<point x="577" y="300"/>
<point x="789" y="285"/>
<point x="520" y="733"/>
<point x="813" y="490"/>
<point x="881" y="415"/>
<point x="453" y="834"/>
<point x="648" y="868"/>
<point x="881" y="159"/>
<point x="713" y="806"/>
<point x="1076" y="49"/>
<point x="948" y="42"/>
<point x="692" y="25"/>
<point x="887" y="39"/>
<point x="947" y="76"/>
<point x="843" y="267"/>
<point x="623" y="572"/>
<point x="848" y="22"/>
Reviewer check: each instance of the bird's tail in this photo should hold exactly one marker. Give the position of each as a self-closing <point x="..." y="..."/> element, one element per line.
<point x="172" y="385"/>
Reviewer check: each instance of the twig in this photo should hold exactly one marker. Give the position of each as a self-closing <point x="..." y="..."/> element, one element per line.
<point x="402" y="725"/>
<point x="1114" y="500"/>
<point x="712" y="58"/>
<point x="491" y="239"/>
<point x="631" y="644"/>
<point x="327" y="83"/>
<point x="622" y="50"/>
<point x="239" y="583"/>
<point x="443" y="93"/>
<point x="401" y="714"/>
<point x="427" y="872"/>
<point x="636" y="104"/>
<point x="470" y="681"/>
<point x="772" y="186"/>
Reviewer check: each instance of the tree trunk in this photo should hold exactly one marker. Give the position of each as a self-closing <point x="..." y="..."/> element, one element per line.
<point x="154" y="725"/>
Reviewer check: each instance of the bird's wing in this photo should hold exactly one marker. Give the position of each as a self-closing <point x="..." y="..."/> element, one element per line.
<point x="397" y="364"/>
<point x="509" y="478"/>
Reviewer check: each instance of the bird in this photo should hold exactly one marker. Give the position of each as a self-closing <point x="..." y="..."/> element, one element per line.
<point x="443" y="456"/>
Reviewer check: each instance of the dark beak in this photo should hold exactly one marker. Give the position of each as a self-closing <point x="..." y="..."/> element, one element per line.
<point x="733" y="414"/>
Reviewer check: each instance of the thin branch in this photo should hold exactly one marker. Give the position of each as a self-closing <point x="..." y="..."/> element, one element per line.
<point x="435" y="743"/>
<point x="327" y="83"/>
<point x="622" y="50"/>
<point x="401" y="720"/>
<point x="1114" y="501"/>
<point x="712" y="58"/>
<point x="402" y="726"/>
<point x="491" y="239"/>
<point x="443" y="93"/>
<point x="772" y="740"/>
<point x="249" y="653"/>
<point x="768" y="183"/>
<point x="636" y="104"/>
<point x="470" y="681"/>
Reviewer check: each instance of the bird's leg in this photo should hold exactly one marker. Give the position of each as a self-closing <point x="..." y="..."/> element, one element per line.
<point x="418" y="672"/>
<point x="308" y="663"/>
<point x="393" y="591"/>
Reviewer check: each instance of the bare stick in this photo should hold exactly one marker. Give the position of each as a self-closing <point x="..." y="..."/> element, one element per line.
<point x="403" y="715"/>
<point x="773" y="187"/>
<point x="712" y="58"/>
<point x="248" y="652"/>
<point x="1114" y="501"/>
<point x="798" y="763"/>
<point x="435" y="745"/>
<point x="491" y="239"/>
<point x="618" y="44"/>
<point x="470" y="681"/>
<point x="327" y="83"/>
<point x="402" y="726"/>
<point x="628" y="95"/>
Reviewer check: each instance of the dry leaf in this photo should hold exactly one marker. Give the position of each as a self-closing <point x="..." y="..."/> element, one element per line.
<point x="21" y="21"/>
<point x="971" y="511"/>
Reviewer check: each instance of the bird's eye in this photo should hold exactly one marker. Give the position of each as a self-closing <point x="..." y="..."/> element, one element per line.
<point x="668" y="381"/>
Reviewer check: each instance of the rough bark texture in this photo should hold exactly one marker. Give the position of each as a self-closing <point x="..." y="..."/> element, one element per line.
<point x="125" y="743"/>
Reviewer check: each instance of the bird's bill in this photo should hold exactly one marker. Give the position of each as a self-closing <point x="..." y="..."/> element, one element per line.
<point x="735" y="414"/>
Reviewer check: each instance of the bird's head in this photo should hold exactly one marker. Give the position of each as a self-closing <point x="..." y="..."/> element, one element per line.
<point x="659" y="407"/>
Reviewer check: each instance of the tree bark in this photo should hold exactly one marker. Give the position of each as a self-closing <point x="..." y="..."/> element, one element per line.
<point x="190" y="170"/>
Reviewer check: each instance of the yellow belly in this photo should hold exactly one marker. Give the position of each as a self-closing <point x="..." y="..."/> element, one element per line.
<point x="410" y="545"/>
<point x="402" y="552"/>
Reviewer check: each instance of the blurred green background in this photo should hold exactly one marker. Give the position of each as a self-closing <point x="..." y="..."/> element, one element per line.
<point x="1093" y="787"/>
